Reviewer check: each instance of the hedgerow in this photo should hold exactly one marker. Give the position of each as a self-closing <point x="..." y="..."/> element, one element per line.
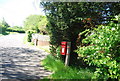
<point x="103" y="51"/>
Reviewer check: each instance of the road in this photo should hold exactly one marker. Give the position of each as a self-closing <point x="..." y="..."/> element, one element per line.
<point x="19" y="61"/>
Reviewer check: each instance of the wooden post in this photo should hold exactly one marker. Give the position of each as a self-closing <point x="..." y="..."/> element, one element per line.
<point x="36" y="40"/>
<point x="68" y="54"/>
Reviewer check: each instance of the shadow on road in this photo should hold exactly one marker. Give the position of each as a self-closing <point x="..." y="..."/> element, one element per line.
<point x="22" y="63"/>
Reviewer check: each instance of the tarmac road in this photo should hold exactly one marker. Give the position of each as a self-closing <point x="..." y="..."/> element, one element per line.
<point x="19" y="61"/>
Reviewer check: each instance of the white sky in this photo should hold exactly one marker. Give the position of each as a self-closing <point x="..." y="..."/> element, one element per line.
<point x="15" y="11"/>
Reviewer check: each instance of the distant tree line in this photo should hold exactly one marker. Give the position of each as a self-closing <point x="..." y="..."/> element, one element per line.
<point x="5" y="28"/>
<point x="36" y="23"/>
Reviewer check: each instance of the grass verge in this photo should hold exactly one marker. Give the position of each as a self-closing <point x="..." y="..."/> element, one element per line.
<point x="1" y="35"/>
<point x="26" y="42"/>
<point x="62" y="72"/>
<point x="7" y="33"/>
<point x="45" y="48"/>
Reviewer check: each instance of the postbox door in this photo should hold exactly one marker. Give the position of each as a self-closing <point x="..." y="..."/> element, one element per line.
<point x="63" y="48"/>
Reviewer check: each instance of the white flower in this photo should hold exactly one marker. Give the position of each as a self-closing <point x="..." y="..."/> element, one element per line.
<point x="113" y="28"/>
<point x="116" y="17"/>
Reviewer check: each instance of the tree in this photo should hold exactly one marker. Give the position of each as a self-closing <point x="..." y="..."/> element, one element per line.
<point x="67" y="19"/>
<point x="4" y="23"/>
<point x="42" y="25"/>
<point x="35" y="22"/>
<point x="3" y="26"/>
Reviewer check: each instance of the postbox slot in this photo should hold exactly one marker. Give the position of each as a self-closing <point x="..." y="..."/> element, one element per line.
<point x="64" y="43"/>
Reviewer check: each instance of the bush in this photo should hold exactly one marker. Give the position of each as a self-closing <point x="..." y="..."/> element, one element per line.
<point x="19" y="30"/>
<point x="62" y="72"/>
<point x="55" y="52"/>
<point x="29" y="34"/>
<point x="103" y="51"/>
<point x="3" y="30"/>
<point x="3" y="26"/>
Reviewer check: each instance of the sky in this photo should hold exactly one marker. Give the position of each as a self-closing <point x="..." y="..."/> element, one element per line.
<point x="16" y="11"/>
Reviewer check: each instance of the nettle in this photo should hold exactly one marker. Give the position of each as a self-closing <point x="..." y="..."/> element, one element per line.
<point x="103" y="50"/>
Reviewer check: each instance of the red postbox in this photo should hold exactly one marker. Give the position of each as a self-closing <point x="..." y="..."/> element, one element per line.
<point x="63" y="48"/>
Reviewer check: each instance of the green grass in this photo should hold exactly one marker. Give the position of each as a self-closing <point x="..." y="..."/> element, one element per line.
<point x="45" y="48"/>
<point x="25" y="39"/>
<point x="1" y="34"/>
<point x="13" y="33"/>
<point x="26" y="42"/>
<point x="64" y="72"/>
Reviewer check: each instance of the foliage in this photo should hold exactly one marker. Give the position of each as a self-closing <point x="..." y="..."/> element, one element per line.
<point x="3" y="26"/>
<point x="3" y="30"/>
<point x="29" y="34"/>
<point x="103" y="50"/>
<point x="58" y="55"/>
<point x="4" y="23"/>
<point x="42" y="25"/>
<point x="55" y="52"/>
<point x="15" y="29"/>
<point x="35" y="22"/>
<point x="67" y="19"/>
<point x="62" y="72"/>
<point x="45" y="48"/>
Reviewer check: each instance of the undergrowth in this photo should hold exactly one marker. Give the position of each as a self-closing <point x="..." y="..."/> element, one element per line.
<point x="64" y="72"/>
